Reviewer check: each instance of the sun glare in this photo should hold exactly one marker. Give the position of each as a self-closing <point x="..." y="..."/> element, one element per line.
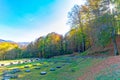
<point x="111" y="6"/>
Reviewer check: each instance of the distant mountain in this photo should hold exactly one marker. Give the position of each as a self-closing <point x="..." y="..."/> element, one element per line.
<point x="20" y="44"/>
<point x="1" y="40"/>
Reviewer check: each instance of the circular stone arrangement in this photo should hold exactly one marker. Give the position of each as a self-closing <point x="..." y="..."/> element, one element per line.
<point x="10" y="74"/>
<point x="43" y="73"/>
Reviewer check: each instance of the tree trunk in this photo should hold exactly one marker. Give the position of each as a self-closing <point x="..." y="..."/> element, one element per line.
<point x="114" y="43"/>
<point x="83" y="42"/>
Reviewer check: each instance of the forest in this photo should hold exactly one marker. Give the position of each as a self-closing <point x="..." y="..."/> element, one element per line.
<point x="96" y="24"/>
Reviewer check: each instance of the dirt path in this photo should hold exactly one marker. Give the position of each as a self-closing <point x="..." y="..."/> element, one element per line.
<point x="89" y="75"/>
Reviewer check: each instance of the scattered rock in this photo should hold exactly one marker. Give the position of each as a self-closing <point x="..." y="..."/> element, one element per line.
<point x="2" y="64"/>
<point x="43" y="73"/>
<point x="6" y="72"/>
<point x="6" y="77"/>
<point x="37" y="67"/>
<point x="37" y="59"/>
<point x="25" y="61"/>
<point x="27" y="71"/>
<point x="19" y="62"/>
<point x="26" y="66"/>
<point x="58" y="67"/>
<point x="15" y="70"/>
<point x="14" y="76"/>
<point x="31" y="60"/>
<point x="11" y="63"/>
<point x="52" y="69"/>
<point x="9" y="76"/>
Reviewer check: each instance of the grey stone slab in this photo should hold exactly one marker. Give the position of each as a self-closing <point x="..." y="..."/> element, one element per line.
<point x="37" y="68"/>
<point x="26" y="66"/>
<point x="43" y="73"/>
<point x="58" y="66"/>
<point x="16" y="70"/>
<point x="52" y="69"/>
<point x="27" y="71"/>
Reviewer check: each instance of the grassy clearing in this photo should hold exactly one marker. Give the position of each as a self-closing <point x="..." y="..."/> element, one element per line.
<point x="71" y="68"/>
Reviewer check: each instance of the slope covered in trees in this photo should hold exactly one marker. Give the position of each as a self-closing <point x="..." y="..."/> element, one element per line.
<point x="95" y="24"/>
<point x="8" y="50"/>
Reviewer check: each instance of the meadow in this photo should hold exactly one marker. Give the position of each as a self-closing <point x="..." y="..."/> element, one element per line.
<point x="65" y="68"/>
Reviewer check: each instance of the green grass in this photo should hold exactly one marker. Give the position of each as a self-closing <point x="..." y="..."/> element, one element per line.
<point x="72" y="70"/>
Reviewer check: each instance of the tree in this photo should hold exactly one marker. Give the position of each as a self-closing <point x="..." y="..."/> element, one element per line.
<point x="104" y="22"/>
<point x="75" y="20"/>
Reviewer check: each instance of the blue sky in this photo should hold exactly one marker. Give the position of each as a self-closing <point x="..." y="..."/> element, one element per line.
<point x="26" y="20"/>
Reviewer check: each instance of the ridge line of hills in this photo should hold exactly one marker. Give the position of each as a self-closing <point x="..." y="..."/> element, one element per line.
<point x="19" y="43"/>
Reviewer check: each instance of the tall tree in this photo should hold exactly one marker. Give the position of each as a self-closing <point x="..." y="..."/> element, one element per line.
<point x="75" y="20"/>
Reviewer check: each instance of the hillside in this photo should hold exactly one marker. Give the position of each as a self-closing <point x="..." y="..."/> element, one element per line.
<point x="6" y="46"/>
<point x="106" y="70"/>
<point x="104" y="51"/>
<point x="6" y="49"/>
